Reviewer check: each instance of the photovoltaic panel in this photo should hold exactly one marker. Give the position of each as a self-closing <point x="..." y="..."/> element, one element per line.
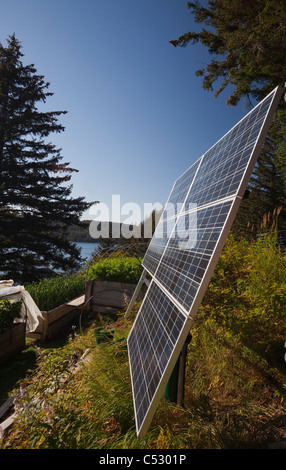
<point x="178" y="194"/>
<point x="184" y="251"/>
<point x="158" y="328"/>
<point x="157" y="245"/>
<point x="168" y="218"/>
<point x="223" y="166"/>
<point x="185" y="261"/>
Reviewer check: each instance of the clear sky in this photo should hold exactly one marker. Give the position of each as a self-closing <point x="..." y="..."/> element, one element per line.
<point x="138" y="116"/>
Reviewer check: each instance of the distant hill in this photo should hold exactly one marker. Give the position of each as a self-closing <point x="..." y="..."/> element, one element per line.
<point x="81" y="234"/>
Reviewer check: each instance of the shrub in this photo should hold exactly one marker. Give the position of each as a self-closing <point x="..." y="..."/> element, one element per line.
<point x="8" y="312"/>
<point x="125" y="269"/>
<point x="247" y="292"/>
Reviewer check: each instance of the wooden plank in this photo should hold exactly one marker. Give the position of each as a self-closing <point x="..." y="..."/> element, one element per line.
<point x="111" y="294"/>
<point x="63" y="309"/>
<point x="78" y="302"/>
<point x="12" y="341"/>
<point x="56" y="328"/>
<point x="6" y="425"/>
<point x="45" y="325"/>
<point x="34" y="335"/>
<point x="58" y="312"/>
<point x="88" y="292"/>
<point x="6" y="406"/>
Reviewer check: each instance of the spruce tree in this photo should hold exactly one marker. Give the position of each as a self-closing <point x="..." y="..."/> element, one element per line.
<point x="36" y="205"/>
<point x="265" y="206"/>
<point x="247" y="45"/>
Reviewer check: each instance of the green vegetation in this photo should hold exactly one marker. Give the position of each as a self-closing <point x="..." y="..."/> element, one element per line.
<point x="120" y="269"/>
<point x="247" y="293"/>
<point x="8" y="312"/>
<point x="36" y="200"/>
<point x="16" y="369"/>
<point x="50" y="293"/>
<point x="235" y="373"/>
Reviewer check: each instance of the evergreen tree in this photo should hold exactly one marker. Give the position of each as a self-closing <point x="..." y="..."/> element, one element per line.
<point x="248" y="43"/>
<point x="36" y="206"/>
<point x="266" y="198"/>
<point x="248" y="40"/>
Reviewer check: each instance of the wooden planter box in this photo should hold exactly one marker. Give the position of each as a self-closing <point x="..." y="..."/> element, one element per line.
<point x="12" y="341"/>
<point x="60" y="317"/>
<point x="57" y="319"/>
<point x="105" y="295"/>
<point x="100" y="296"/>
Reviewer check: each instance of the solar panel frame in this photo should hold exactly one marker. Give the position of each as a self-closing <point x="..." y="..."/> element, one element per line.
<point x="197" y="167"/>
<point x="148" y="408"/>
<point x="160" y="348"/>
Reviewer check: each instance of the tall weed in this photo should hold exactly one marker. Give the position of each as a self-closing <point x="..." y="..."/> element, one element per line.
<point x="247" y="293"/>
<point x="50" y="293"/>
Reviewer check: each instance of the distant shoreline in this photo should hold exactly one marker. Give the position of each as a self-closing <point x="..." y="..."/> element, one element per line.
<point x="77" y="234"/>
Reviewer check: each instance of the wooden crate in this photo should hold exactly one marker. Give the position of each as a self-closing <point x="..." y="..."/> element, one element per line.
<point x="100" y="296"/>
<point x="104" y="294"/>
<point x="57" y="319"/>
<point x="12" y="341"/>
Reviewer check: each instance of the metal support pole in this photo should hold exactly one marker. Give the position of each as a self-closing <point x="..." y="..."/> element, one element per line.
<point x="182" y="372"/>
<point x="138" y="288"/>
<point x="175" y="389"/>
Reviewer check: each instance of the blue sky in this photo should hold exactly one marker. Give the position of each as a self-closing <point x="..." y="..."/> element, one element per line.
<point x="138" y="116"/>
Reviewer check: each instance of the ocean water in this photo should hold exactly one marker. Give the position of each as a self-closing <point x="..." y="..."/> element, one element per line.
<point x="87" y="249"/>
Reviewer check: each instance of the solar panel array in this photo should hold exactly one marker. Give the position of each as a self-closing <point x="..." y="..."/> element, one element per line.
<point x="183" y="253"/>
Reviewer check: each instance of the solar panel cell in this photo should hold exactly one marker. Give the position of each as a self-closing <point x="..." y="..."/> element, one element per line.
<point x="179" y="192"/>
<point x="157" y="245"/>
<point x="182" y="267"/>
<point x="150" y="344"/>
<point x="182" y="255"/>
<point x="223" y="166"/>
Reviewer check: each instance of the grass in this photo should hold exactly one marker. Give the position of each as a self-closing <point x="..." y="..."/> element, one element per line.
<point x="235" y="387"/>
<point x="15" y="370"/>
<point x="50" y="293"/>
